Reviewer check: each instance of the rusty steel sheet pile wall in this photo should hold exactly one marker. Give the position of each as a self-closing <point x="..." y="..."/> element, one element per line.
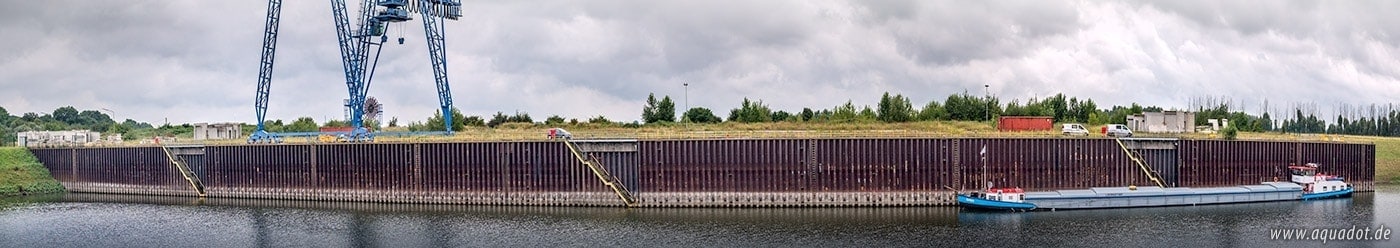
<point x="130" y="170"/>
<point x="723" y="166"/>
<point x="694" y="173"/>
<point x="230" y="168"/>
<point x="500" y="173"/>
<point x="505" y="166"/>
<point x="1207" y="163"/>
<point x="1047" y="164"/>
<point x="795" y="172"/>
<point x="59" y="162"/>
<point x="883" y="165"/>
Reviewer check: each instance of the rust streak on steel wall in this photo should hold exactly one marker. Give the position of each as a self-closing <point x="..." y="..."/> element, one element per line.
<point x="128" y="170"/>
<point x="1049" y="164"/>
<point x="1207" y="163"/>
<point x="883" y="164"/>
<point x="506" y="166"/>
<point x="262" y="166"/>
<point x="1341" y="159"/>
<point x="841" y="165"/>
<point x="365" y="166"/>
<point x="58" y="161"/>
<point x="722" y="166"/>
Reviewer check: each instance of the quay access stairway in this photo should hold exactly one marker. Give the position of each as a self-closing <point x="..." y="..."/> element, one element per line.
<point x="185" y="171"/>
<point x="601" y="172"/>
<point x="1137" y="159"/>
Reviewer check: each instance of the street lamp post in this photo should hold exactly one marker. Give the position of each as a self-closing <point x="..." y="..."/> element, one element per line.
<point x="684" y="117"/>
<point x="987" y="97"/>
<point x="687" y="101"/>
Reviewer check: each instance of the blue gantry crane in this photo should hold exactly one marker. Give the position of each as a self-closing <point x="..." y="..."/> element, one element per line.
<point x="356" y="44"/>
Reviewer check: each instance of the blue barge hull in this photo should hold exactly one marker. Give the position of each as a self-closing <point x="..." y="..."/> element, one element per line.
<point x="974" y="202"/>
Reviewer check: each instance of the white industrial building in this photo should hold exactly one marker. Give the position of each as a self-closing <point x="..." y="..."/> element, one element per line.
<point x="56" y="138"/>
<point x="217" y="131"/>
<point x="1163" y="122"/>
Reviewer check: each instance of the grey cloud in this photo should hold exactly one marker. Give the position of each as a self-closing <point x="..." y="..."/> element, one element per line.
<point x="197" y="61"/>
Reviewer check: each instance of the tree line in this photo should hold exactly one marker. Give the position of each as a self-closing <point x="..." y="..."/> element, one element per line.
<point x="1375" y="120"/>
<point x="70" y="118"/>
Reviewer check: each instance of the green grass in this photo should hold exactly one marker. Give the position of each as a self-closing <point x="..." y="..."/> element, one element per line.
<point x="1388" y="160"/>
<point x="21" y="174"/>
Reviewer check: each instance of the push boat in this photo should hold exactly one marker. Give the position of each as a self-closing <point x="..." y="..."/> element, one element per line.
<point x="1305" y="184"/>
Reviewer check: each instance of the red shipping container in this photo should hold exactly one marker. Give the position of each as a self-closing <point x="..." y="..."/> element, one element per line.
<point x="336" y="129"/>
<point x="1025" y="123"/>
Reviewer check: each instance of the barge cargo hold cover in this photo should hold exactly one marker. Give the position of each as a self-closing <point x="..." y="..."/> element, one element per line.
<point x="1123" y="197"/>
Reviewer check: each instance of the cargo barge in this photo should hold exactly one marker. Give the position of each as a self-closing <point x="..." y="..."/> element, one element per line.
<point x="1305" y="184"/>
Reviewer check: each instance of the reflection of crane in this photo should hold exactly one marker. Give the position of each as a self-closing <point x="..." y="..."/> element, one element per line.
<point x="355" y="48"/>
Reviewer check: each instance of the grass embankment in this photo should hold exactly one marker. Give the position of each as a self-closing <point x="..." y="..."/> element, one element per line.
<point x="21" y="174"/>
<point x="1387" y="159"/>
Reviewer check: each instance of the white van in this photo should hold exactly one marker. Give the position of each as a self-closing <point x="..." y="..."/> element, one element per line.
<point x="1074" y="129"/>
<point x="1117" y="130"/>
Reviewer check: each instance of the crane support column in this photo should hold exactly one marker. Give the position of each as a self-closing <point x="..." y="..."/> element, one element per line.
<point x="269" y="52"/>
<point x="437" y="52"/>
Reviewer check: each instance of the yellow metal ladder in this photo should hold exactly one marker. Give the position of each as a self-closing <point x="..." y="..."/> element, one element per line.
<point x="602" y="173"/>
<point x="1151" y="174"/>
<point x="185" y="171"/>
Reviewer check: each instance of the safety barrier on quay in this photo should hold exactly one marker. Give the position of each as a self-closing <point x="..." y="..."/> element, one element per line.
<point x="691" y="173"/>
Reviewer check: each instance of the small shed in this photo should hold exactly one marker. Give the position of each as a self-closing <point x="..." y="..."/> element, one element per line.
<point x="1025" y="123"/>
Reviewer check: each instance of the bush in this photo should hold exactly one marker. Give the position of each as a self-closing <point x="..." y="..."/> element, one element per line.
<point x="1229" y="133"/>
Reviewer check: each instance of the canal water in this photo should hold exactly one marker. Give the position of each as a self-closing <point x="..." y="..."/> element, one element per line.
<point x="87" y="220"/>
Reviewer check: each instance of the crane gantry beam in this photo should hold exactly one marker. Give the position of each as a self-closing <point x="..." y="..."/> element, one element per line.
<point x="355" y="42"/>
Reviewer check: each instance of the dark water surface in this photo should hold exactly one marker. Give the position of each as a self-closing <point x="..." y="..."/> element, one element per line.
<point x="85" y="220"/>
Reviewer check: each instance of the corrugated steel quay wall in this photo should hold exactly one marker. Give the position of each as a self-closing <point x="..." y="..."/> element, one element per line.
<point x="1221" y="163"/>
<point x="753" y="172"/>
<point x="777" y="172"/>
<point x="132" y="170"/>
<point x="491" y="173"/>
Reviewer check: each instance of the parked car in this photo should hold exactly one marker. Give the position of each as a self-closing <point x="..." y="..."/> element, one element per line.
<point x="559" y="133"/>
<point x="1074" y="129"/>
<point x="1117" y="130"/>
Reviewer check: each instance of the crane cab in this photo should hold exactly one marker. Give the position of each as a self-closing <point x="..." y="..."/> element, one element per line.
<point x="393" y="15"/>
<point x="393" y="3"/>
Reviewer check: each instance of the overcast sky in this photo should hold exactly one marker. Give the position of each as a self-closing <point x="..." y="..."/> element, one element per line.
<point x="197" y="61"/>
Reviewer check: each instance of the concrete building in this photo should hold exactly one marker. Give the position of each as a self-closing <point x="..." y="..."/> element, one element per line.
<point x="1163" y="122"/>
<point x="216" y="131"/>
<point x="56" y="138"/>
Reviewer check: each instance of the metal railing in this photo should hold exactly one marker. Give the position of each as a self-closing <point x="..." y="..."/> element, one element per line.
<point x="607" y="178"/>
<point x="185" y="171"/>
<point x="1136" y="157"/>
